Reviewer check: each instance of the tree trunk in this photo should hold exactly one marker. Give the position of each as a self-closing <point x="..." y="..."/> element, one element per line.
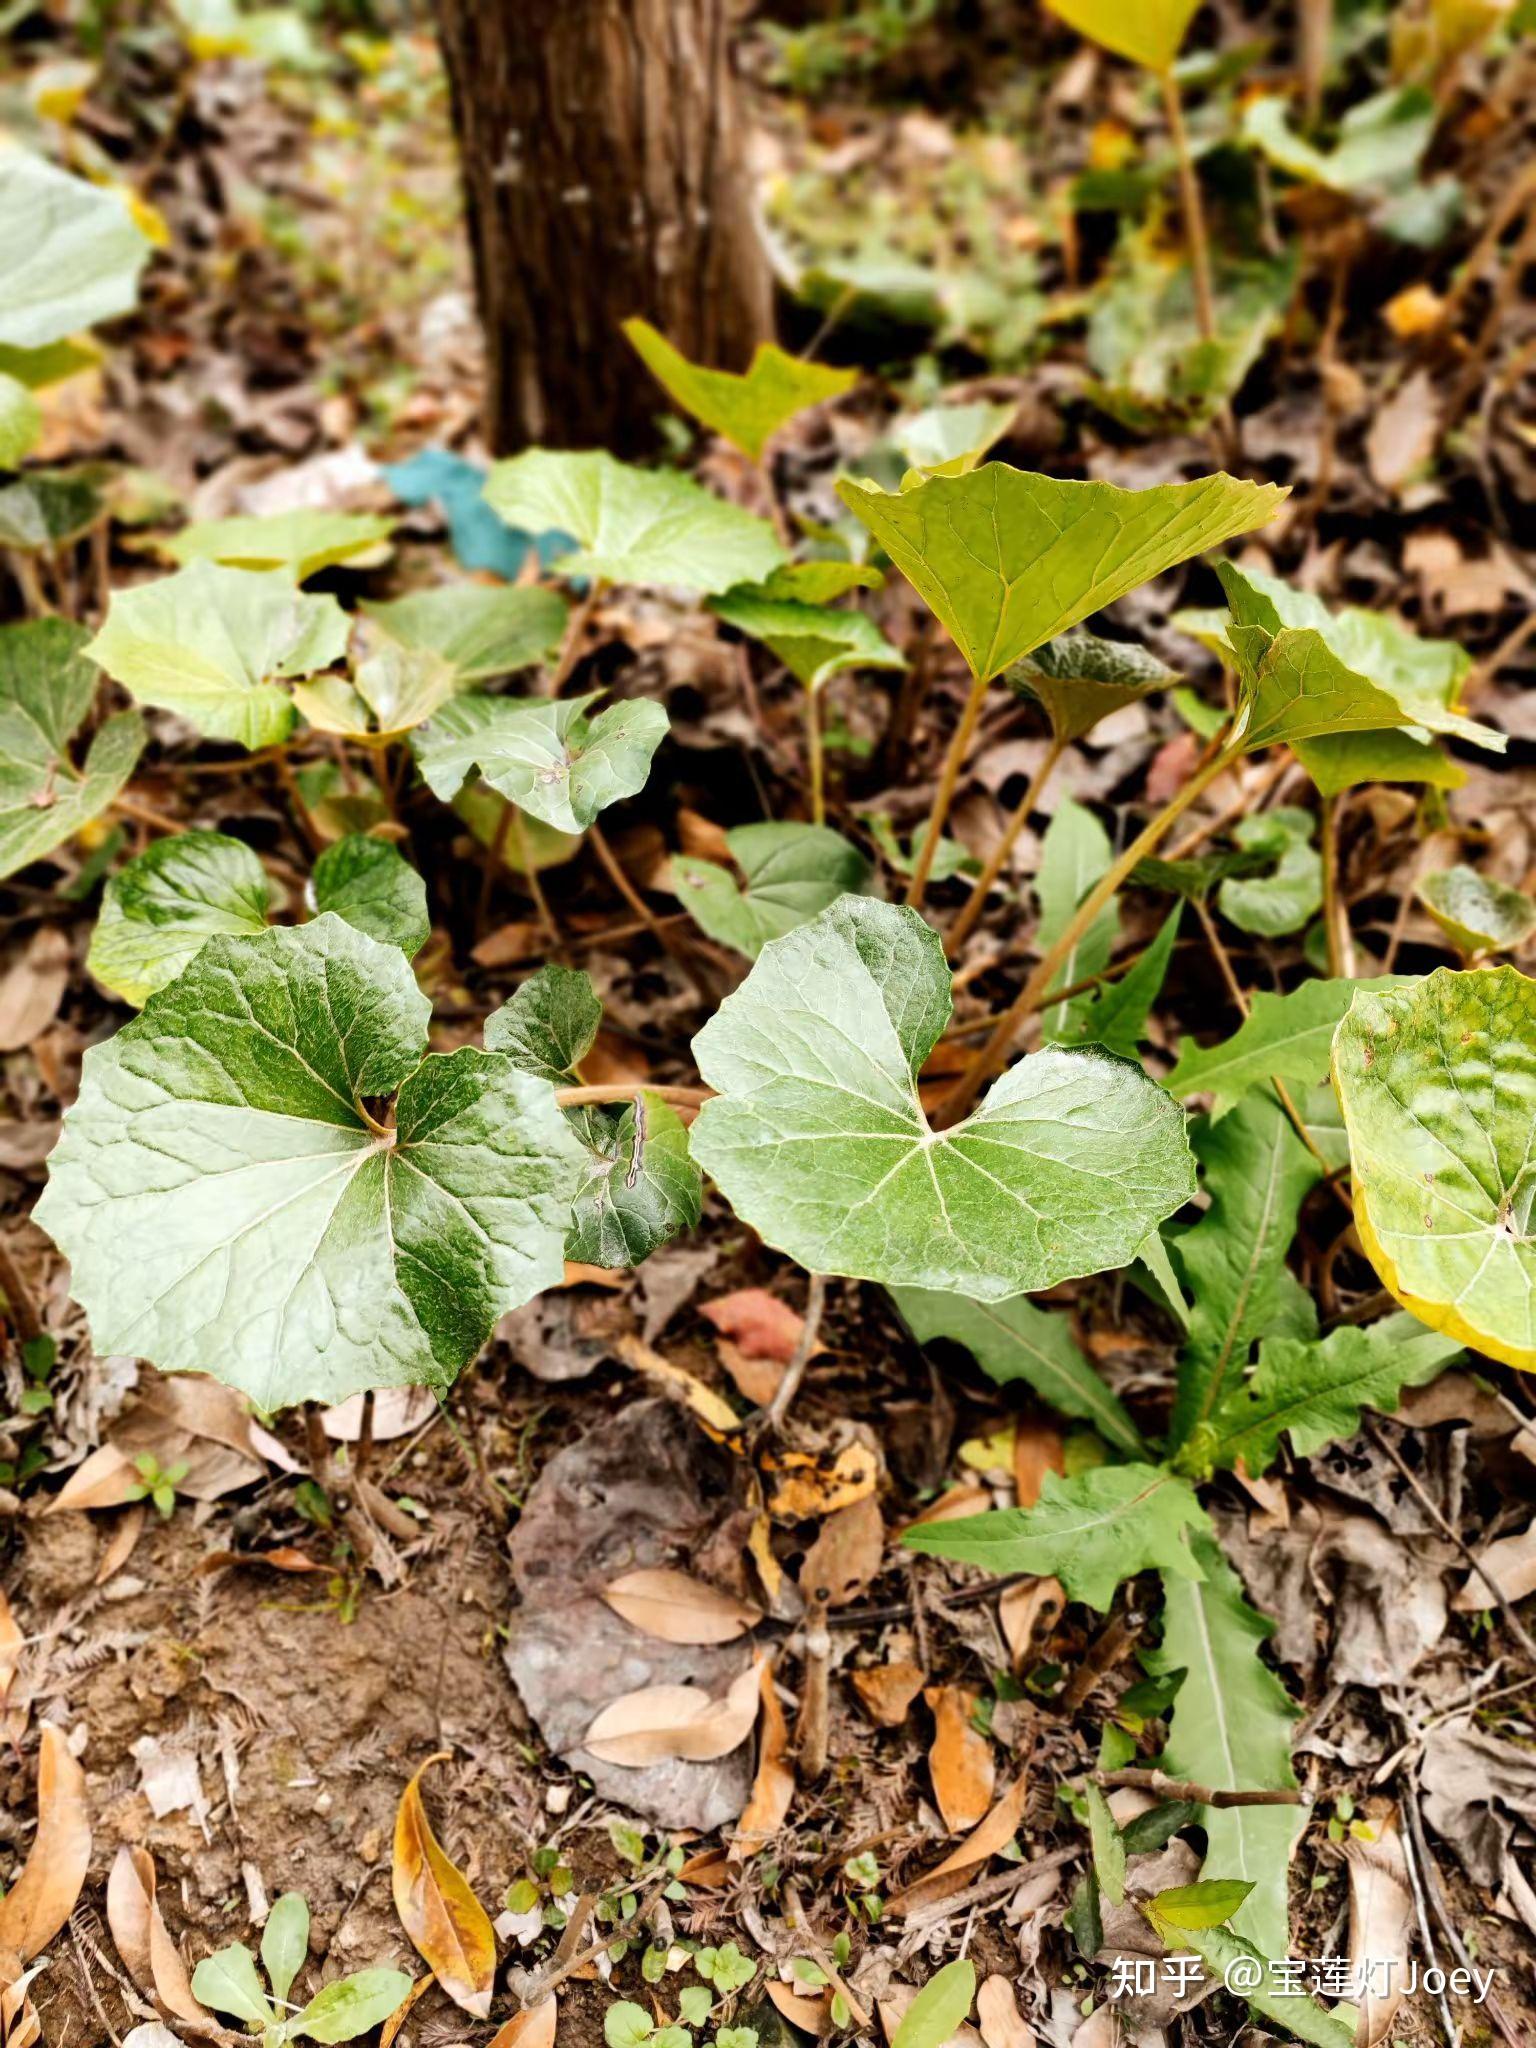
<point x="604" y="175"/>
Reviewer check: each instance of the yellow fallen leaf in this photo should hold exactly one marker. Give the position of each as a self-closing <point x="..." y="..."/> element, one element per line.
<point x="445" y="1921"/>
<point x="960" y="1762"/>
<point x="774" y="1786"/>
<point x="678" y="1609"/>
<point x="532" y="2028"/>
<point x="805" y="1486"/>
<point x="43" y="1897"/>
<point x="661" y="1723"/>
<point x="144" y="1941"/>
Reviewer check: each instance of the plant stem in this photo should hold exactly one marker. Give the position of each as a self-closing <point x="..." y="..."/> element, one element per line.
<point x="943" y="796"/>
<point x="1341" y="945"/>
<point x="1243" y="1006"/>
<point x="313" y="837"/>
<point x="570" y="643"/>
<point x="971" y="909"/>
<point x="994" y="1054"/>
<point x="626" y="1091"/>
<point x="1194" y="210"/>
<point x="1198" y="1795"/>
<point x="667" y="940"/>
<point x="535" y="886"/>
<point x="816" y="754"/>
<point x="145" y="814"/>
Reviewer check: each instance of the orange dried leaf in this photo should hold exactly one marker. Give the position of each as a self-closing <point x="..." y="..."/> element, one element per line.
<point x="532" y="2028"/>
<point x="1037" y="1449"/>
<point x="960" y="1762"/>
<point x="888" y="1690"/>
<point x="1027" y="1613"/>
<point x="144" y="1941"/>
<point x="774" y="1786"/>
<point x="980" y="1846"/>
<point x="445" y="1921"/>
<point x="997" y="2014"/>
<point x="846" y="1554"/>
<point x="43" y="1897"/>
<point x="805" y="1486"/>
<point x="810" y="2015"/>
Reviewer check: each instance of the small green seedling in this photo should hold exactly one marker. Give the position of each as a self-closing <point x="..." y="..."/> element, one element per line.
<point x="229" y="1983"/>
<point x="156" y="1485"/>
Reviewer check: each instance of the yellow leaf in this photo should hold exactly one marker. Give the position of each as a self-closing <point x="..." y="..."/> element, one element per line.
<point x="43" y="1897"/>
<point x="437" y="1909"/>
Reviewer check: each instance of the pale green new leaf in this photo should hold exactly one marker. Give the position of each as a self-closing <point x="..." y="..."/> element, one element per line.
<point x="1008" y="559"/>
<point x="789" y="873"/>
<point x="1380" y="143"/>
<point x="21" y="421"/>
<point x="394" y="689"/>
<point x="214" y="645"/>
<point x="1257" y="1173"/>
<point x="159" y="911"/>
<point x="1151" y="33"/>
<point x="813" y="641"/>
<point x="748" y="409"/>
<point x="1283" y="1038"/>
<point x="1477" y="914"/>
<point x="1090" y="1531"/>
<point x="1080" y="679"/>
<point x="228" y="1203"/>
<point x="70" y="251"/>
<point x="301" y="543"/>
<point x="367" y="882"/>
<point x="1292" y="893"/>
<point x="1115" y="1014"/>
<point x="647" y="526"/>
<point x="1206" y="1904"/>
<point x="543" y="754"/>
<point x="939" y="2009"/>
<point x="548" y="1024"/>
<point x="353" y="2005"/>
<point x="228" y="1982"/>
<point x="482" y="630"/>
<point x="1014" y="1340"/>
<point x="819" y="582"/>
<point x="1075" y="854"/>
<point x="46" y="688"/>
<point x="641" y="1186"/>
<point x="1222" y="1952"/>
<point x="949" y="440"/>
<point x="1230" y="1728"/>
<point x="1315" y="1392"/>
<point x="285" y="1942"/>
<point x="1108" y="1846"/>
<point x="818" y="1139"/>
<point x="1437" y="1081"/>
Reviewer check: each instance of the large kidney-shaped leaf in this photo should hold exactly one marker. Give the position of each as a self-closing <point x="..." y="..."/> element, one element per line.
<point x="1080" y="679"/>
<point x="543" y="754"/>
<point x="46" y="687"/>
<point x="230" y="1202"/>
<point x="818" y="1140"/>
<point x="633" y="525"/>
<point x="302" y="542"/>
<point x="1476" y="913"/>
<point x="1149" y="33"/>
<point x="789" y="873"/>
<point x="1009" y="559"/>
<point x="1306" y="673"/>
<point x="214" y="645"/>
<point x="159" y="911"/>
<point x="748" y="409"/>
<point x="1437" y="1082"/>
<point x="482" y="630"/>
<point x="370" y="884"/>
<point x="813" y="641"/>
<point x="70" y="252"/>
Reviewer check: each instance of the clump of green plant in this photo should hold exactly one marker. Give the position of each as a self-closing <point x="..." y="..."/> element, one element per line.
<point x="229" y="1982"/>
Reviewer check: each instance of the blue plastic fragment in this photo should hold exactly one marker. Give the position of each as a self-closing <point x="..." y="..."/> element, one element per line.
<point x="479" y="537"/>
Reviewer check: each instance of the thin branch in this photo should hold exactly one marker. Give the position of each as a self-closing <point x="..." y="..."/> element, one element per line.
<point x="627" y="1091"/>
<point x="1198" y="1795"/>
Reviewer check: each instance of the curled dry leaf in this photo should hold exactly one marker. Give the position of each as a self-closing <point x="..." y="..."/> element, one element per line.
<point x="661" y="1722"/>
<point x="888" y="1690"/>
<point x="532" y="2028"/>
<point x="1027" y="1613"/>
<point x="846" y="1554"/>
<point x="954" y="1506"/>
<point x="43" y="1897"/>
<point x="121" y="1542"/>
<point x="445" y="1921"/>
<point x="679" y="1609"/>
<point x="960" y="1761"/>
<point x="143" y="1940"/>
<point x="774" y="1786"/>
<point x="980" y="1846"/>
<point x="396" y="1412"/>
<point x="712" y="1409"/>
<point x="20" y="2026"/>
<point x="997" y="2013"/>
<point x="1380" y="1922"/>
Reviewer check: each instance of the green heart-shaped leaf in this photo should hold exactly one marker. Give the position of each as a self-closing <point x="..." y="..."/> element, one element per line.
<point x="1090" y="1531"/>
<point x="1283" y="900"/>
<point x="70" y="251"/>
<point x="1008" y="559"/>
<point x="543" y="754"/>
<point x="50" y="508"/>
<point x="367" y="882"/>
<point x="1080" y="679"/>
<point x="482" y="630"/>
<point x="748" y="410"/>
<point x="1151" y="33"/>
<point x="818" y="1139"/>
<point x="229" y="1203"/>
<point x="547" y="1026"/>
<point x="301" y="543"/>
<point x="46" y="688"/>
<point x="1477" y="914"/>
<point x="789" y="874"/>
<point x="214" y="645"/>
<point x="1437" y="1081"/>
<point x="813" y="641"/>
<point x="1380" y="144"/>
<point x="159" y="911"/>
<point x="648" y="526"/>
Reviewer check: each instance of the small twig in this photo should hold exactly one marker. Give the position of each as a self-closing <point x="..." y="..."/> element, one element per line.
<point x="795" y="1914"/>
<point x="784" y="1394"/>
<point x="975" y="903"/>
<point x="1434" y="1893"/>
<point x="667" y="940"/>
<point x="904" y="1610"/>
<point x="811" y="1722"/>
<point x="1194" y="209"/>
<point x="1421" y="1914"/>
<point x="627" y="1091"/>
<point x="146" y="814"/>
<point x="1198" y="1795"/>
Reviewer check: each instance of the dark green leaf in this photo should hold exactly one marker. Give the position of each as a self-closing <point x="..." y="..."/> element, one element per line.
<point x="548" y="1024"/>
<point x="368" y="883"/>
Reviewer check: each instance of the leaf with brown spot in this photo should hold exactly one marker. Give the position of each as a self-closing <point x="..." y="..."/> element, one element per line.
<point x="43" y="1897"/>
<point x="661" y="1723"/>
<point x="980" y="1846"/>
<point x="534" y="2027"/>
<point x="888" y="1690"/>
<point x="678" y="1609"/>
<point x="846" y="1555"/>
<point x="960" y="1762"/>
<point x="445" y="1921"/>
<point x="1026" y="1615"/>
<point x="774" y="1786"/>
<point x="143" y="1940"/>
<point x="805" y="1487"/>
<point x="32" y="989"/>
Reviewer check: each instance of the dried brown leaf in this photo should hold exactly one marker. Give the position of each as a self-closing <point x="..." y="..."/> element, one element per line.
<point x="143" y="1940"/>
<point x="960" y="1762"/>
<point x="774" y="1786"/>
<point x="532" y="2028"/>
<point x="888" y="1690"/>
<point x="980" y="1846"/>
<point x="997" y="2013"/>
<point x="846" y="1555"/>
<point x="758" y="1323"/>
<point x="1027" y="1613"/>
<point x="1380" y="1922"/>
<point x="445" y="1921"/>
<point x="662" y="1722"/>
<point x="43" y="1897"/>
<point x="678" y="1609"/>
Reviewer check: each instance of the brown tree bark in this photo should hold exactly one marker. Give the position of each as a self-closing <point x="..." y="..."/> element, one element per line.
<point x="604" y="165"/>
